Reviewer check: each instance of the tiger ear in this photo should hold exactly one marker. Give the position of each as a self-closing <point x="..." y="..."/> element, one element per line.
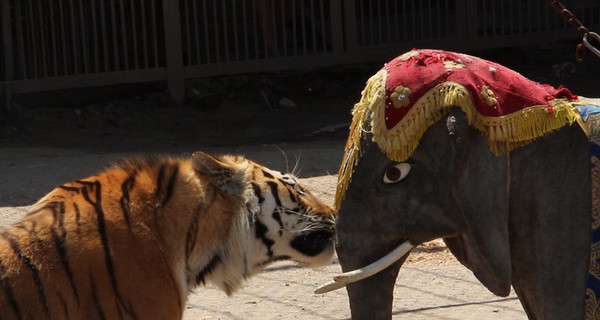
<point x="227" y="177"/>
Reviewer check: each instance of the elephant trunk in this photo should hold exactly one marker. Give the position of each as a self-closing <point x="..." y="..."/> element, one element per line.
<point x="372" y="297"/>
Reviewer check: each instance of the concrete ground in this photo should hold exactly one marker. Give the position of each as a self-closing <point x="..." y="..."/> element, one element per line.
<point x="48" y="139"/>
<point x="431" y="285"/>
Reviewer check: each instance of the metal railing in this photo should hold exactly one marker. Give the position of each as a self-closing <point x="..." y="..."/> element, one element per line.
<point x="58" y="44"/>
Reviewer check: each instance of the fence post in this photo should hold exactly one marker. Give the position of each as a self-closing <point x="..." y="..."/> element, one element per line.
<point x="466" y="20"/>
<point x="173" y="50"/>
<point x="337" y="32"/>
<point x="350" y="25"/>
<point x="7" y="50"/>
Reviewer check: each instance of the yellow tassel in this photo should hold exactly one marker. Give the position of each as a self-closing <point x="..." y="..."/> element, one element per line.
<point x="373" y="94"/>
<point x="503" y="133"/>
<point x="499" y="134"/>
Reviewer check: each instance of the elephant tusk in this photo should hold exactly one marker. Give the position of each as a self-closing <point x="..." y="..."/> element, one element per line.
<point x="365" y="272"/>
<point x="373" y="268"/>
<point x="329" y="286"/>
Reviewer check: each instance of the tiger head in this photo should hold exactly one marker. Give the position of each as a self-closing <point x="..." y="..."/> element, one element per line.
<point x="282" y="219"/>
<point x="105" y="245"/>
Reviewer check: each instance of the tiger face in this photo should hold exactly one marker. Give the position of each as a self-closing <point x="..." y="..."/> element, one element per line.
<point x="134" y="240"/>
<point x="292" y="223"/>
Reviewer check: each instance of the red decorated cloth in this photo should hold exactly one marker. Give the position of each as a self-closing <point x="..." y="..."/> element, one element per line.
<point x="495" y="89"/>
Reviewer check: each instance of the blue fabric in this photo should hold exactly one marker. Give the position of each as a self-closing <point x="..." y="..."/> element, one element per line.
<point x="592" y="294"/>
<point x="586" y="110"/>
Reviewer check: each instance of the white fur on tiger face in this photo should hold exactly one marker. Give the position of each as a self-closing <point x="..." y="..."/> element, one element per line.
<point x="288" y="228"/>
<point x="282" y="220"/>
<point x="135" y="239"/>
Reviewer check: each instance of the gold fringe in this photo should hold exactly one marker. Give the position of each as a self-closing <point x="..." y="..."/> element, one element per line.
<point x="592" y="308"/>
<point x="373" y="96"/>
<point x="522" y="127"/>
<point x="402" y="140"/>
<point x="503" y="133"/>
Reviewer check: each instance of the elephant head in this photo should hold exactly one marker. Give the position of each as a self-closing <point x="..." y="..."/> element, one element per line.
<point x="513" y="208"/>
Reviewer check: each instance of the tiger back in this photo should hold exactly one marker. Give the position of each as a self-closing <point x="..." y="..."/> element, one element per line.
<point x="134" y="240"/>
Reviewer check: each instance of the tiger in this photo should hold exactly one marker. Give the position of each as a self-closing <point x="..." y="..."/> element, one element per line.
<point x="133" y="241"/>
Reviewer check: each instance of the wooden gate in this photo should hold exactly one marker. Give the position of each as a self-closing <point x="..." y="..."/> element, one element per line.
<point x="58" y="44"/>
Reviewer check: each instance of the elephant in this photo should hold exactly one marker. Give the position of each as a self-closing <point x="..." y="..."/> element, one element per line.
<point x="513" y="206"/>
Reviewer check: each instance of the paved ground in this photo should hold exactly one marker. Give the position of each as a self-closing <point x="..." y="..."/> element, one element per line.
<point x="48" y="139"/>
<point x="432" y="285"/>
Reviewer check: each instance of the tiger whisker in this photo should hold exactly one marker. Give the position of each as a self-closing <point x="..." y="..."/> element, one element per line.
<point x="287" y="210"/>
<point x="297" y="169"/>
<point x="316" y="227"/>
<point x="287" y="163"/>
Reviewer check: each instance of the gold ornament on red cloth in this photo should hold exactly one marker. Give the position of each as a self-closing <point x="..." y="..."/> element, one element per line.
<point x="488" y="95"/>
<point x="400" y="97"/>
<point x="416" y="89"/>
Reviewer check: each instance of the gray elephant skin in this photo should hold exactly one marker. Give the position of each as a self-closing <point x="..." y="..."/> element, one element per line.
<point x="520" y="219"/>
<point x="516" y="218"/>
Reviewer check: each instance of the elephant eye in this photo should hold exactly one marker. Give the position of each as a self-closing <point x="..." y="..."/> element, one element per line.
<point x="396" y="172"/>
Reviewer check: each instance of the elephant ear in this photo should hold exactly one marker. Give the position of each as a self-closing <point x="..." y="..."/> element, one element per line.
<point x="480" y="192"/>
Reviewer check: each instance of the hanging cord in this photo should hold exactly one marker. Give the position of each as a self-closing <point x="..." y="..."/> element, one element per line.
<point x="569" y="18"/>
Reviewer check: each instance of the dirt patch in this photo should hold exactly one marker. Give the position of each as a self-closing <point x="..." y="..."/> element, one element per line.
<point x="267" y="117"/>
<point x="431" y="285"/>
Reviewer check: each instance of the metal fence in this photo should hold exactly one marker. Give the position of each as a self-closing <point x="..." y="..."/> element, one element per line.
<point x="58" y="44"/>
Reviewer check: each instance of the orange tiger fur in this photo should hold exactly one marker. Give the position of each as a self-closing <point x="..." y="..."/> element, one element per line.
<point x="133" y="241"/>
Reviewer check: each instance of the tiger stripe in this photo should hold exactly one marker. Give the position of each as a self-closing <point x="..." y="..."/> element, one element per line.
<point x="34" y="271"/>
<point x="274" y="191"/>
<point x="192" y="232"/>
<point x="77" y="216"/>
<point x="125" y="201"/>
<point x="257" y="193"/>
<point x="159" y="179"/>
<point x="64" y="305"/>
<point x="97" y="205"/>
<point x="8" y="292"/>
<point x="131" y="242"/>
<point x="201" y="276"/>
<point x="267" y="174"/>
<point x="169" y="188"/>
<point x="277" y="218"/>
<point x="261" y="234"/>
<point x="292" y="195"/>
<point x="67" y="188"/>
<point x="96" y="299"/>
<point x="59" y="241"/>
